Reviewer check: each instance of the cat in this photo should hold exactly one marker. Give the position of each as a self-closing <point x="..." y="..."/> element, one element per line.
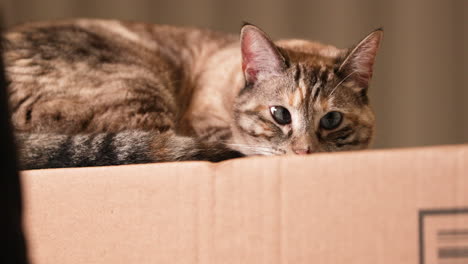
<point x="89" y="92"/>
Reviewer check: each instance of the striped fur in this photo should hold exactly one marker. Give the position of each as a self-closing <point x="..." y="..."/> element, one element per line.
<point x="126" y="147"/>
<point x="100" y="92"/>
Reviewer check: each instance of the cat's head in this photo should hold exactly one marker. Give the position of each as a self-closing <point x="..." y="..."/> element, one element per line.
<point x="303" y="97"/>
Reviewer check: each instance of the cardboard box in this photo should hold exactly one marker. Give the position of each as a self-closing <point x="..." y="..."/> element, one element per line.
<point x="384" y="206"/>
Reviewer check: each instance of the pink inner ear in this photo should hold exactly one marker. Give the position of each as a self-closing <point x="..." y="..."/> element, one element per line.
<point x="361" y="61"/>
<point x="363" y="65"/>
<point x="250" y="65"/>
<point x="251" y="74"/>
<point x="259" y="55"/>
<point x="247" y="57"/>
<point x="365" y="57"/>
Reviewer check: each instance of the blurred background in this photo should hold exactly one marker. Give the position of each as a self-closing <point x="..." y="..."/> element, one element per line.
<point x="420" y="85"/>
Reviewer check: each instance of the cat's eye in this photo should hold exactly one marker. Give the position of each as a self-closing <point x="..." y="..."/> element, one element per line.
<point x="281" y="115"/>
<point x="331" y="120"/>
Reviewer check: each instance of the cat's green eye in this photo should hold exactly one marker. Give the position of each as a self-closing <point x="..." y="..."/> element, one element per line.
<point x="281" y="115"/>
<point x="331" y="120"/>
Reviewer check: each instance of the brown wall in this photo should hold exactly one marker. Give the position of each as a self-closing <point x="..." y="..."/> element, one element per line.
<point x="420" y="86"/>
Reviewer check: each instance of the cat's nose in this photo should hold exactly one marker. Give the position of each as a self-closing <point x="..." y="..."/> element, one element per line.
<point x="302" y="151"/>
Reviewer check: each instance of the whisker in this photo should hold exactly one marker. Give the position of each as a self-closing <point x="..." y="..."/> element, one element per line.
<point x="248" y="146"/>
<point x="344" y="79"/>
<point x="260" y="150"/>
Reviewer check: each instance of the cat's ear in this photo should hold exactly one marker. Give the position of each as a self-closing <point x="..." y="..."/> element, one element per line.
<point x="261" y="59"/>
<point x="359" y="62"/>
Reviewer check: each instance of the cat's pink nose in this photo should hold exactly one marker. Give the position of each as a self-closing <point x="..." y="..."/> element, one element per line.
<point x="302" y="151"/>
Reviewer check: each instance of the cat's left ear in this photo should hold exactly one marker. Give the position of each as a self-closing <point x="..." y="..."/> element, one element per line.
<point x="261" y="59"/>
<point x="358" y="64"/>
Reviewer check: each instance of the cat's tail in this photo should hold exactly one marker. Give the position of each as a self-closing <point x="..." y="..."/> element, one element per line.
<point x="39" y="151"/>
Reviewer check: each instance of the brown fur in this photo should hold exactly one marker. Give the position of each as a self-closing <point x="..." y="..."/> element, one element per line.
<point x="95" y="76"/>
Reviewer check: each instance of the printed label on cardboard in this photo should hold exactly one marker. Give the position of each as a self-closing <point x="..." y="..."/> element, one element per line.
<point x="443" y="236"/>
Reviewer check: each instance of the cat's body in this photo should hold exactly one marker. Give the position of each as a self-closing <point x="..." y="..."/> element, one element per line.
<point x="129" y="76"/>
<point x="95" y="92"/>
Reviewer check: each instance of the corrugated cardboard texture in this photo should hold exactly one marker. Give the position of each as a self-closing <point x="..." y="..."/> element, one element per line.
<point x="357" y="207"/>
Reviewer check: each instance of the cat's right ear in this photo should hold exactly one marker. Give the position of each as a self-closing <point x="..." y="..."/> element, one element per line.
<point x="261" y="59"/>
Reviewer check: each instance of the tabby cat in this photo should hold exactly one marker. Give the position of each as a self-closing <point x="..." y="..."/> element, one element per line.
<point x="100" y="92"/>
